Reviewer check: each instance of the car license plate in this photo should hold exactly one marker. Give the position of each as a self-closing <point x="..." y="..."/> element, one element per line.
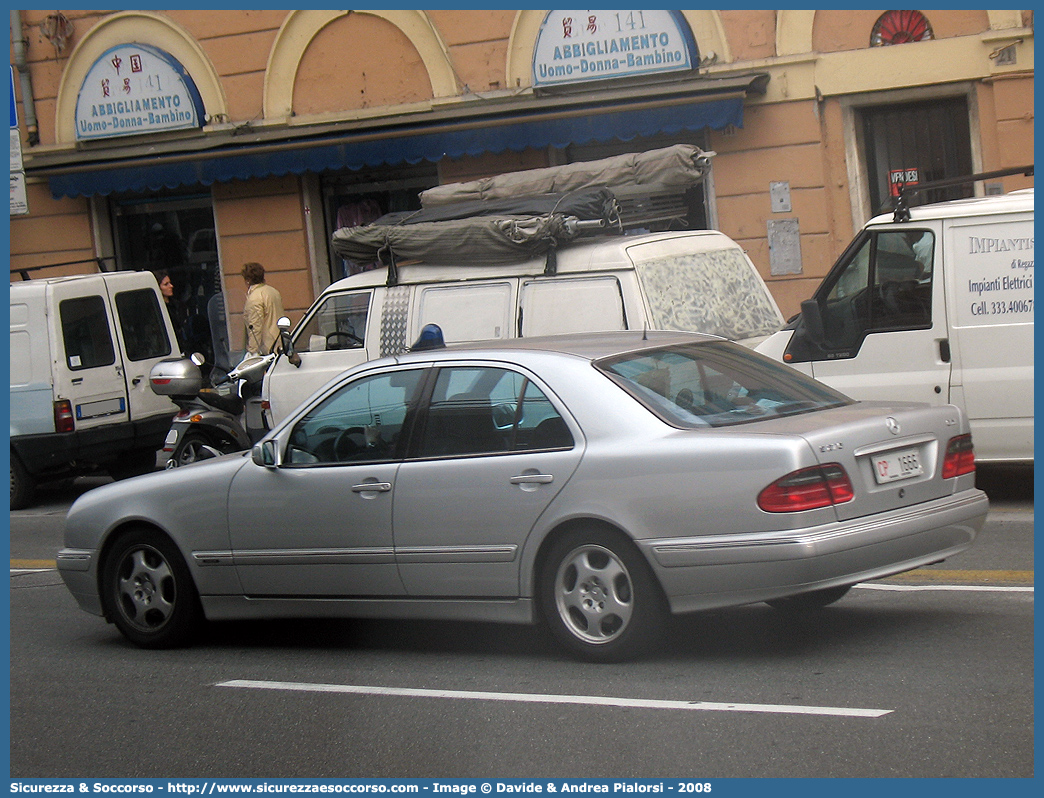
<point x="900" y="464"/>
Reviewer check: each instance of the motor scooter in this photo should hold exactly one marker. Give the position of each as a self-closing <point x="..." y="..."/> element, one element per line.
<point x="221" y="418"/>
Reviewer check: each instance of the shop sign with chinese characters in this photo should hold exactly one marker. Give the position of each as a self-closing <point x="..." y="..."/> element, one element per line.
<point x="134" y="89"/>
<point x="577" y="46"/>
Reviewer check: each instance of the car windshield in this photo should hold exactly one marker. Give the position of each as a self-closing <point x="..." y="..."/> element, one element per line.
<point x="716" y="384"/>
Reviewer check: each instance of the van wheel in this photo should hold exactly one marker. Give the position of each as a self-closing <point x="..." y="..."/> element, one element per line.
<point x="133" y="464"/>
<point x="23" y="486"/>
<point x="599" y="596"/>
<point x="147" y="591"/>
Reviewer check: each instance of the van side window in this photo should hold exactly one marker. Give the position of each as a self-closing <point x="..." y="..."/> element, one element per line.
<point x="489" y="411"/>
<point x="144" y="333"/>
<point x="885" y="285"/>
<point x="85" y="333"/>
<point x="338" y="323"/>
<point x="566" y="305"/>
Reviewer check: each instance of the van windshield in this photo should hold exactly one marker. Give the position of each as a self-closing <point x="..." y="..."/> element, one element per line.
<point x="714" y="292"/>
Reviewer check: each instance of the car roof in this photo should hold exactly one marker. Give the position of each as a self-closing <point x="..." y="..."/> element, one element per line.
<point x="588" y="346"/>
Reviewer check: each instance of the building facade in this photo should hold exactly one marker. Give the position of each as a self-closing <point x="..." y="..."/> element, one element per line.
<point x="196" y="141"/>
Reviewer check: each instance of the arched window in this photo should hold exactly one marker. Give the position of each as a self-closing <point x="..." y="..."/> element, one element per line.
<point x="901" y="27"/>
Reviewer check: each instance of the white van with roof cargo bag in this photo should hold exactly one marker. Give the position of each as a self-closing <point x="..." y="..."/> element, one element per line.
<point x="488" y="264"/>
<point x="81" y="351"/>
<point x="932" y="304"/>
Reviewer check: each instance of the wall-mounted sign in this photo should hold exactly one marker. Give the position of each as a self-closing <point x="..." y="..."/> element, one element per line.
<point x="19" y="200"/>
<point x="577" y="46"/>
<point x="133" y="89"/>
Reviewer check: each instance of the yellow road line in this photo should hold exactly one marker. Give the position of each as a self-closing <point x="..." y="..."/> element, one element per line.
<point x="18" y="564"/>
<point x="966" y="577"/>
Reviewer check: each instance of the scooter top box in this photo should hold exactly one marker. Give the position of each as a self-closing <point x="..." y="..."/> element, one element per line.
<point x="176" y="377"/>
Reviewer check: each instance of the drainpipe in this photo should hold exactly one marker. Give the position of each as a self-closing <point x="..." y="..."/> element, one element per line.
<point x="28" y="103"/>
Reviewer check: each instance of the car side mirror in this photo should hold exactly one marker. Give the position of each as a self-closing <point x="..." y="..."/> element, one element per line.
<point x="287" y="345"/>
<point x="265" y="454"/>
<point x="812" y="317"/>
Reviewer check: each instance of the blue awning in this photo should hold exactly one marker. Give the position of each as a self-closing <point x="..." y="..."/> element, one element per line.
<point x="392" y="146"/>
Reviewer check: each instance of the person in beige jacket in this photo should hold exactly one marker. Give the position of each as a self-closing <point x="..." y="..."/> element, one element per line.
<point x="263" y="308"/>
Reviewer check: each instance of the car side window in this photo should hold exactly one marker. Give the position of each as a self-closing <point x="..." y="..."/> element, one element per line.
<point x="362" y="422"/>
<point x="339" y="323"/>
<point x="485" y="410"/>
<point x="885" y="285"/>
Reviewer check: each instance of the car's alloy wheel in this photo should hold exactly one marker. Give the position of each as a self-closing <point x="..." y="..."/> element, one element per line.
<point x="599" y="596"/>
<point x="148" y="591"/>
<point x="815" y="600"/>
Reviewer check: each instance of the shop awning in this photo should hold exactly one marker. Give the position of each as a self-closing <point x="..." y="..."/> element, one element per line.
<point x="567" y="123"/>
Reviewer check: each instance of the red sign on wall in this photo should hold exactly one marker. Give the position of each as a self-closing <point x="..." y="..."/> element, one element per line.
<point x="897" y="178"/>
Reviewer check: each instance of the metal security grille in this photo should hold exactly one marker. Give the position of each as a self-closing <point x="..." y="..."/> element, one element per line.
<point x="920" y="141"/>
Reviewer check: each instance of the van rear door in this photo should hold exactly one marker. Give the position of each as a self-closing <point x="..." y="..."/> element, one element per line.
<point x="145" y="336"/>
<point x="89" y="370"/>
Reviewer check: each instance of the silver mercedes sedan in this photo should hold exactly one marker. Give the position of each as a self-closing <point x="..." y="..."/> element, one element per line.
<point x="595" y="483"/>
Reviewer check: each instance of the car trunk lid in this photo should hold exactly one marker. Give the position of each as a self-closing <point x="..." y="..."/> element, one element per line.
<point x="893" y="453"/>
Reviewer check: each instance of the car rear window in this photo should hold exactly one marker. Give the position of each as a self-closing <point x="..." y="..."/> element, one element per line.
<point x="716" y="384"/>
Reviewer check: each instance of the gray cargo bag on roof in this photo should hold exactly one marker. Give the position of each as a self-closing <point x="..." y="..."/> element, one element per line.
<point x="681" y="165"/>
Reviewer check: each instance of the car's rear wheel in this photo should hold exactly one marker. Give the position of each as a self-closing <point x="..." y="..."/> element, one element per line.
<point x="815" y="600"/>
<point x="599" y="596"/>
<point x="148" y="592"/>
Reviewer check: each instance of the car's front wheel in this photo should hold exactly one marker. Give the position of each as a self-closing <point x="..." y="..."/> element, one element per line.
<point x="815" y="600"/>
<point x="599" y="596"/>
<point x="148" y="592"/>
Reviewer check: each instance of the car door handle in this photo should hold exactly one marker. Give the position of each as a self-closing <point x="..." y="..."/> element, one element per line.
<point x="372" y="487"/>
<point x="533" y="479"/>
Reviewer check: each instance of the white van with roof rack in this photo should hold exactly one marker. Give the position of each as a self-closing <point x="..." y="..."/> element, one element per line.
<point x="932" y="304"/>
<point x="699" y="281"/>
<point x="537" y="252"/>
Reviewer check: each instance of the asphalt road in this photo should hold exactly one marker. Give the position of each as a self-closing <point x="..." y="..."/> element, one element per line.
<point x="925" y="675"/>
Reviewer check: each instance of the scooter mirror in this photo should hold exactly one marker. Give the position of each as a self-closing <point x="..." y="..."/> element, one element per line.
<point x="197" y="358"/>
<point x="284" y="339"/>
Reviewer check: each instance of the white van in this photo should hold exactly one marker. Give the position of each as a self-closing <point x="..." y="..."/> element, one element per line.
<point x="937" y="308"/>
<point x="81" y="351"/>
<point x="694" y="280"/>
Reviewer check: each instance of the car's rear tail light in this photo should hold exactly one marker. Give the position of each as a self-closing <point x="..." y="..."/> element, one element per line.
<point x="63" y="416"/>
<point x="960" y="457"/>
<point x="807" y="489"/>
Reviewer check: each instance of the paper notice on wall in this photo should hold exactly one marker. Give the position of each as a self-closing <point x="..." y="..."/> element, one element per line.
<point x="19" y="201"/>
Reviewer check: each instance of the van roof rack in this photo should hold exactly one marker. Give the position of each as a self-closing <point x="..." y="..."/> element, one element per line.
<point x="902" y="204"/>
<point x="515" y="216"/>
